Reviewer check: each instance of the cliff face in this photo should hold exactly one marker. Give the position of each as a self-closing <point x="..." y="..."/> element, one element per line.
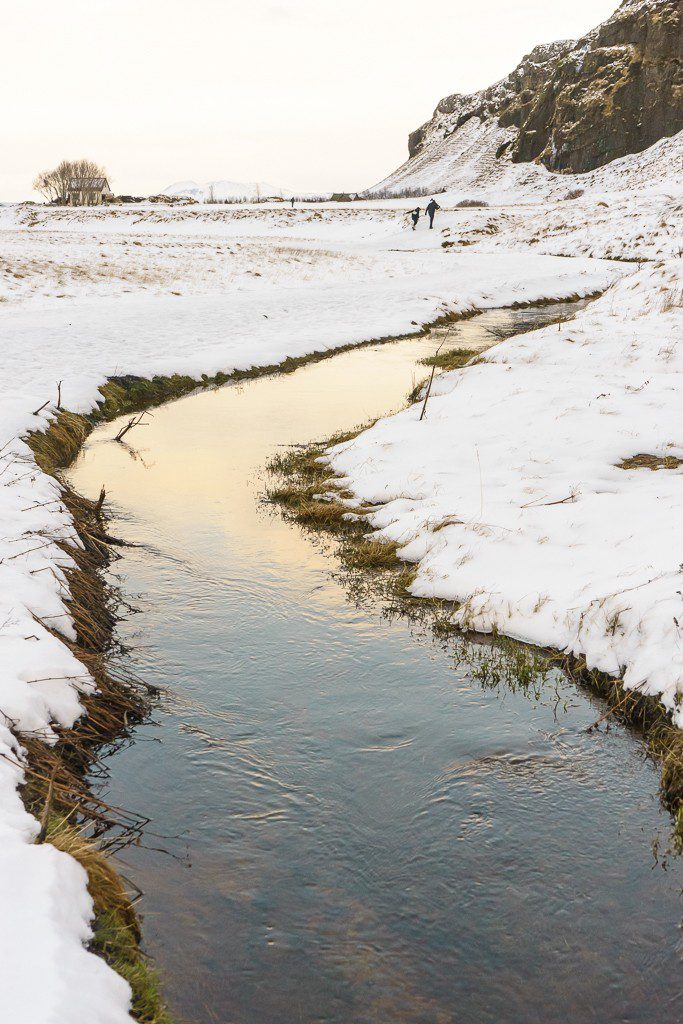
<point x="575" y="105"/>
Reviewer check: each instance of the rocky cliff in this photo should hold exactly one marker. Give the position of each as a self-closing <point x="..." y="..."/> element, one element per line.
<point x="577" y="104"/>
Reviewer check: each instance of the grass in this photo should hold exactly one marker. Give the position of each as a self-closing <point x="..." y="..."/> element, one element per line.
<point x="653" y="462"/>
<point x="56" y="788"/>
<point x="303" y="490"/>
<point x="371" y="555"/>
<point x="453" y="359"/>
<point x="60" y="443"/>
<point x="116" y="930"/>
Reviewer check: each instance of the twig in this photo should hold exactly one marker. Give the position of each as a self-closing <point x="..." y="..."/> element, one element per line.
<point x="134" y="421"/>
<point x="41" y="504"/>
<point x="38" y="547"/>
<point x="40" y="838"/>
<point x="59" y="394"/>
<point x="562" y="501"/>
<point x="431" y="379"/>
<point x="100" y="501"/>
<point x="40" y="409"/>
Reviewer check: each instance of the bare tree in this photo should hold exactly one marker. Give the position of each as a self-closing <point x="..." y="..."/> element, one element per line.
<point x="54" y="185"/>
<point x="49" y="185"/>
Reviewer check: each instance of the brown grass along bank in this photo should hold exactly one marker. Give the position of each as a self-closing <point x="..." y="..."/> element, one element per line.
<point x="72" y="817"/>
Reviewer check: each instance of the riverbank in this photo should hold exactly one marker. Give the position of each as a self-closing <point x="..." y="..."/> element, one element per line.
<point x="309" y="496"/>
<point x="562" y="532"/>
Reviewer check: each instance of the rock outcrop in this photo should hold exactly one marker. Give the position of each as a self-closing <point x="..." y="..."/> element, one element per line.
<point x="576" y="105"/>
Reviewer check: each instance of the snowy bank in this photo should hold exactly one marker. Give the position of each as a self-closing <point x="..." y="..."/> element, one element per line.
<point x="516" y="497"/>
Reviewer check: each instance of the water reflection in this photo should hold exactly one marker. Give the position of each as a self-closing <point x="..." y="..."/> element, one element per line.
<point x="371" y="834"/>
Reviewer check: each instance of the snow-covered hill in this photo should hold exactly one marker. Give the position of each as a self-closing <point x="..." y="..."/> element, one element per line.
<point x="467" y="168"/>
<point x="570" y="107"/>
<point x="224" y="190"/>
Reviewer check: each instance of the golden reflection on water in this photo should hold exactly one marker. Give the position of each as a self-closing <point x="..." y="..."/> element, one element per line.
<point x="169" y="456"/>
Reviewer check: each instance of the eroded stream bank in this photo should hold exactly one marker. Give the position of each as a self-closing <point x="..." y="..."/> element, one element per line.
<point x="363" y="832"/>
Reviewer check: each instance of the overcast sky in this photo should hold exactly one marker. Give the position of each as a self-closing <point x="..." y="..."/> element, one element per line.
<point x="307" y="94"/>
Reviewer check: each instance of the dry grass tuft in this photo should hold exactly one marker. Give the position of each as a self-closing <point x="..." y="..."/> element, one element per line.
<point x="664" y="741"/>
<point x="328" y="515"/>
<point x="667" y="745"/>
<point x="653" y="462"/>
<point x="300" y="476"/>
<point x="370" y="555"/>
<point x="117" y="930"/>
<point x="105" y="885"/>
<point x="57" y="446"/>
<point x="451" y="360"/>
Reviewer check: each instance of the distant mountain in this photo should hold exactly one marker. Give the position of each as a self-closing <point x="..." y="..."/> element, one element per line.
<point x="570" y="106"/>
<point x="224" y="190"/>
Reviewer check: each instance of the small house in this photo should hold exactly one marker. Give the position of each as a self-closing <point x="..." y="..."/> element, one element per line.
<point x="87" y="191"/>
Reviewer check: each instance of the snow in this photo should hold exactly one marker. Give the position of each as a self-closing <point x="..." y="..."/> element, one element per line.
<point x="224" y="190"/>
<point x="534" y="527"/>
<point x="85" y="294"/>
<point x="465" y="165"/>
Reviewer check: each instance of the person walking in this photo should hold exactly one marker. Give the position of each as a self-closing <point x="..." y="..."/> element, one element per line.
<point x="415" y="214"/>
<point x="432" y="207"/>
<point x="292" y="202"/>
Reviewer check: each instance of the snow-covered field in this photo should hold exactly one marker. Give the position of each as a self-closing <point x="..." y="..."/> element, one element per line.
<point x="540" y="532"/>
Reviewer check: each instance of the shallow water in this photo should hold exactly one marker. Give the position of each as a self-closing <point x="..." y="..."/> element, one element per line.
<point x="361" y="833"/>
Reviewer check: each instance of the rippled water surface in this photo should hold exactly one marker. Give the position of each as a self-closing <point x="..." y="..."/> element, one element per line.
<point x="361" y="832"/>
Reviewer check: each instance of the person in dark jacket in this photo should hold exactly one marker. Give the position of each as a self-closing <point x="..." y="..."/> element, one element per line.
<point x="432" y="207"/>
<point x="415" y="214"/>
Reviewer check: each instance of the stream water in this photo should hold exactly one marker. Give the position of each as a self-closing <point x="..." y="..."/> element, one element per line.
<point x="361" y="832"/>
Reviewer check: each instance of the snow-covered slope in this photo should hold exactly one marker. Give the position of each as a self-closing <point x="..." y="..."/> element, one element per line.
<point x="222" y="190"/>
<point x="470" y="170"/>
<point x="568" y="106"/>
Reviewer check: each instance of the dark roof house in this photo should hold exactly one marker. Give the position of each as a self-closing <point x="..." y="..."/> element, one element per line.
<point x="87" y="191"/>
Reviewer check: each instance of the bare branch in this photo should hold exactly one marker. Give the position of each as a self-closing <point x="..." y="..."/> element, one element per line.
<point x="134" y="421"/>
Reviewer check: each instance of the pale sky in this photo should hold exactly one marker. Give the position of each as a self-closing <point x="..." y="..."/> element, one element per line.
<point x="306" y="94"/>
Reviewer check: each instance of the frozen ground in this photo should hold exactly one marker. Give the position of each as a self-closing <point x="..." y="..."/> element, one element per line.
<point x="547" y="418"/>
